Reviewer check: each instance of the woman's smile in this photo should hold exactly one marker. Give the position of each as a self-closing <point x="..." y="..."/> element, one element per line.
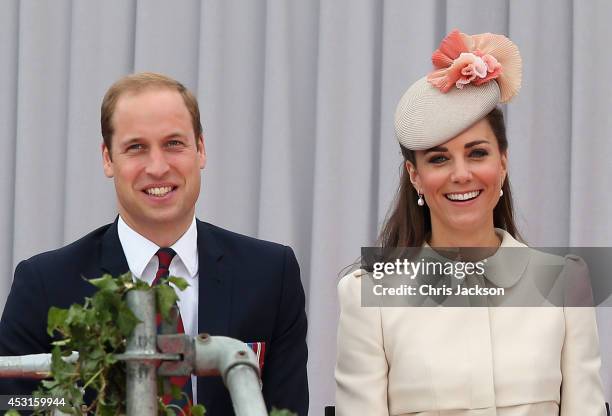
<point x="463" y="197"/>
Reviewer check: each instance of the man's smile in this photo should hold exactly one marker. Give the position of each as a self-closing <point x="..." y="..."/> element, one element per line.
<point x="159" y="191"/>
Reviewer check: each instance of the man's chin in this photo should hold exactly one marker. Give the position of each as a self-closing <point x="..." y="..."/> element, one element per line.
<point x="161" y="219"/>
<point x="154" y="218"/>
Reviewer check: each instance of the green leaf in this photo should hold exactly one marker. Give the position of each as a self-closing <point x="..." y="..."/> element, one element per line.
<point x="49" y="384"/>
<point x="106" y="410"/>
<point x="166" y="298"/>
<point x="106" y="282"/>
<point x="141" y="285"/>
<point x="126" y="320"/>
<point x="198" y="410"/>
<point x="179" y="282"/>
<point x="176" y="392"/>
<point x="284" y="412"/>
<point x="58" y="365"/>
<point x="55" y="319"/>
<point x="12" y="412"/>
<point x="76" y="314"/>
<point x="62" y="342"/>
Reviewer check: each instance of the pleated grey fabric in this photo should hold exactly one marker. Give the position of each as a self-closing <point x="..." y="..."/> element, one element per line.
<point x="297" y="101"/>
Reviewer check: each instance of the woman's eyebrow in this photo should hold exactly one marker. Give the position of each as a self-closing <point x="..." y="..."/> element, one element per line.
<point x="475" y="142"/>
<point x="437" y="149"/>
<point x="444" y="149"/>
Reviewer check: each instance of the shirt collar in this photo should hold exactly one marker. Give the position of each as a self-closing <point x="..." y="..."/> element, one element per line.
<point x="139" y="250"/>
<point x="187" y="248"/>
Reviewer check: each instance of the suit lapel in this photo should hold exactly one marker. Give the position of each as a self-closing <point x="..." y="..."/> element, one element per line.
<point x="112" y="258"/>
<point x="215" y="284"/>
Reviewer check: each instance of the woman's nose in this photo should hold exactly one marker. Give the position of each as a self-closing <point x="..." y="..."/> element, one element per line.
<point x="461" y="172"/>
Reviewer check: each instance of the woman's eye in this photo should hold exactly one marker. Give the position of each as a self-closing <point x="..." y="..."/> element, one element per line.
<point x="478" y="153"/>
<point x="437" y="159"/>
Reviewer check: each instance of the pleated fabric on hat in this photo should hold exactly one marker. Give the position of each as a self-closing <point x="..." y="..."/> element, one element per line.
<point x="472" y="75"/>
<point x="425" y="117"/>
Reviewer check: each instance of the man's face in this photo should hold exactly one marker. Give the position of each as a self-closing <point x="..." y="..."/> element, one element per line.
<point x="155" y="161"/>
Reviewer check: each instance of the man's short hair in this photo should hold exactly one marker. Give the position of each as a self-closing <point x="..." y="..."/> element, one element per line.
<point x="135" y="83"/>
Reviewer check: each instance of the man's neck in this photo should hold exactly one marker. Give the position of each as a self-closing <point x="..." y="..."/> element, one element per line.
<point x="162" y="234"/>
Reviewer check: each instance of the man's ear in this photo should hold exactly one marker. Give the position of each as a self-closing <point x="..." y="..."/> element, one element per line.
<point x="201" y="151"/>
<point x="107" y="162"/>
<point x="414" y="175"/>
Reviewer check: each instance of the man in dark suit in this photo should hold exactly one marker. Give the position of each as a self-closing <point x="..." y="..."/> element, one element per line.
<point x="239" y="286"/>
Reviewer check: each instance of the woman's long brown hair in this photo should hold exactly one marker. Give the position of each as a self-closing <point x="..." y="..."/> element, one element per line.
<point x="409" y="225"/>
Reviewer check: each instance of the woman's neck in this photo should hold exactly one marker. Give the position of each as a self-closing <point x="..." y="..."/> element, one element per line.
<point x="484" y="237"/>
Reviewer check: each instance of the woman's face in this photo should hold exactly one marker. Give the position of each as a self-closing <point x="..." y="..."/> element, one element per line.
<point x="461" y="179"/>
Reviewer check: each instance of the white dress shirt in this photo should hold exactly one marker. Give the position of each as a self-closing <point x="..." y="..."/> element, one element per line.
<point x="143" y="263"/>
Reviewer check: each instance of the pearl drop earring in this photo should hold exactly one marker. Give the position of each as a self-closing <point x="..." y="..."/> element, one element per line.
<point x="501" y="193"/>
<point x="420" y="201"/>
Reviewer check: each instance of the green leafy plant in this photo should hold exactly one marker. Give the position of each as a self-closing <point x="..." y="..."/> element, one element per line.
<point x="98" y="330"/>
<point x="284" y="412"/>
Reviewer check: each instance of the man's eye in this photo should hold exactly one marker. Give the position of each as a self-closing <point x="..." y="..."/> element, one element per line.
<point x="478" y="153"/>
<point x="438" y="159"/>
<point x="135" y="147"/>
<point x="174" y="143"/>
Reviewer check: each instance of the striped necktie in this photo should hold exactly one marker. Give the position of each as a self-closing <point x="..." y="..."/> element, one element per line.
<point x="165" y="256"/>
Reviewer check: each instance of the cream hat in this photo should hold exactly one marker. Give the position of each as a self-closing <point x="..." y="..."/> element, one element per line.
<point x="473" y="74"/>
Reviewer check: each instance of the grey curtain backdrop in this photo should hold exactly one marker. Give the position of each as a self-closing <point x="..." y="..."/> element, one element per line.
<point x="297" y="100"/>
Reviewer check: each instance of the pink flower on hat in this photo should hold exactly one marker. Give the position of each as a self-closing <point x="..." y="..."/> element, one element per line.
<point x="468" y="67"/>
<point x="494" y="68"/>
<point x="463" y="59"/>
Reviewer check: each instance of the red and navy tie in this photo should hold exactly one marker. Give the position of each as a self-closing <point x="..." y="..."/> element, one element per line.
<point x="165" y="256"/>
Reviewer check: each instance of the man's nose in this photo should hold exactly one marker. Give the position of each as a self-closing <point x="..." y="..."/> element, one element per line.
<point x="157" y="165"/>
<point x="461" y="172"/>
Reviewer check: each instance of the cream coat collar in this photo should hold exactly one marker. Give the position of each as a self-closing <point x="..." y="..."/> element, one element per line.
<point x="505" y="267"/>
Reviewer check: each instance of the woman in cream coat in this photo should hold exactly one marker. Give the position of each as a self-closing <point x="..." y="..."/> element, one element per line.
<point x="483" y="361"/>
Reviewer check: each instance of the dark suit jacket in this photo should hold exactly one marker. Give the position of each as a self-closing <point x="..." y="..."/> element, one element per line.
<point x="249" y="289"/>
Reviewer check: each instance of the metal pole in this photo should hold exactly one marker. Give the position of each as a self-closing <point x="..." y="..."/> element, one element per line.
<point x="180" y="355"/>
<point x="210" y="356"/>
<point x="36" y="366"/>
<point x="33" y="366"/>
<point x="142" y="373"/>
<point x="239" y="368"/>
<point x="244" y="388"/>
